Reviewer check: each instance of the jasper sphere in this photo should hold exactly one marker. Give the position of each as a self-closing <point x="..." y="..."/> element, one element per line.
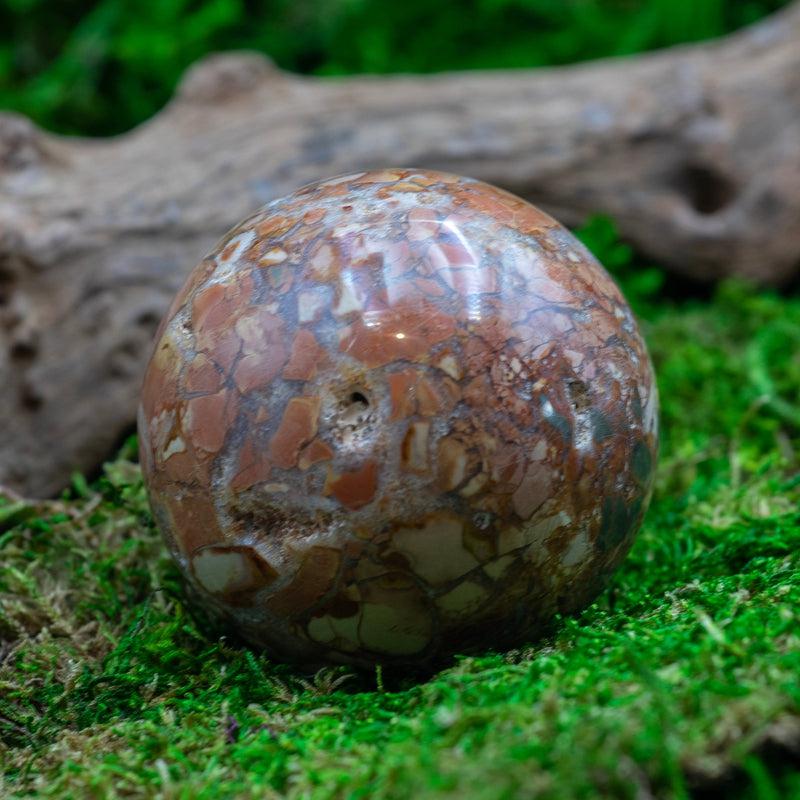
<point x="394" y="416"/>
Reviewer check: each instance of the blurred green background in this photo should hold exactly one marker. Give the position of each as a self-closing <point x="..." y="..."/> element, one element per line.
<point x="101" y="67"/>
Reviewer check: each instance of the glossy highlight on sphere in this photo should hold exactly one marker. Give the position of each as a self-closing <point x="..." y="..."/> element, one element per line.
<point x="394" y="416"/>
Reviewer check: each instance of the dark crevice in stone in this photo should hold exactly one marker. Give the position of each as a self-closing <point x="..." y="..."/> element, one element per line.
<point x="707" y="190"/>
<point x="359" y="398"/>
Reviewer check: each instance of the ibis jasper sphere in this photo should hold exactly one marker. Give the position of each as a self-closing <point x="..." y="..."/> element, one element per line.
<point x="394" y="416"/>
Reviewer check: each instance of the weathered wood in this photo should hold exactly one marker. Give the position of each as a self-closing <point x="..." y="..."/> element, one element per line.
<point x="695" y="151"/>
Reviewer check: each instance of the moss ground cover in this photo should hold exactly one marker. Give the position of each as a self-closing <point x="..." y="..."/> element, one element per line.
<point x="101" y="66"/>
<point x="682" y="680"/>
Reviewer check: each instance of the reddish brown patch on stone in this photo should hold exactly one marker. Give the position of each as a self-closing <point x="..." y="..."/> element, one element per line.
<point x="343" y="606"/>
<point x="501" y="206"/>
<point x="274" y="226"/>
<point x="402" y="390"/>
<point x="213" y="313"/>
<point x="202" y="375"/>
<point x="423" y="223"/>
<point x="314" y="216"/>
<point x="228" y="251"/>
<point x="477" y="391"/>
<point x="207" y="419"/>
<point x="298" y="427"/>
<point x="214" y="306"/>
<point x="263" y="349"/>
<point x="403" y="332"/>
<point x="306" y="358"/>
<point x="314" y="453"/>
<point x="190" y="466"/>
<point x="195" y="518"/>
<point x="314" y="578"/>
<point x="532" y="220"/>
<point x="159" y="392"/>
<point x="357" y="488"/>
<point x="429" y="400"/>
<point x="253" y="466"/>
<point x="506" y="465"/>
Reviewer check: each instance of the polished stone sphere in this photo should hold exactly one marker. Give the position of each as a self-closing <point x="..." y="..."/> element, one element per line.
<point x="394" y="416"/>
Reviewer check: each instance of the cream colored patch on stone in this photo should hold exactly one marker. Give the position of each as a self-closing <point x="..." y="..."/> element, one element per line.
<point x="227" y="266"/>
<point x="494" y="569"/>
<point x="275" y="488"/>
<point x="347" y="230"/>
<point x="436" y="551"/>
<point x="274" y="256"/>
<point x="415" y="447"/>
<point x="475" y="485"/>
<point x="651" y="411"/>
<point x="535" y="488"/>
<point x="449" y="365"/>
<point x="249" y="328"/>
<point x="574" y="357"/>
<point x="463" y="599"/>
<point x="174" y="446"/>
<point x="577" y="551"/>
<point x="320" y="630"/>
<point x="353" y="176"/>
<point x="365" y="568"/>
<point x="395" y="630"/>
<point x="161" y="429"/>
<point x="349" y="299"/>
<point x="346" y="630"/>
<point x="540" y="451"/>
<point x="322" y="261"/>
<point x="343" y="631"/>
<point x="381" y="176"/>
<point x="452" y="463"/>
<point x="510" y="539"/>
<point x="309" y="304"/>
<point x="219" y="571"/>
<point x="405" y="186"/>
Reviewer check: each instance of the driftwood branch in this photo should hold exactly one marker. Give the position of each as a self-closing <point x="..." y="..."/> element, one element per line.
<point x="695" y="151"/>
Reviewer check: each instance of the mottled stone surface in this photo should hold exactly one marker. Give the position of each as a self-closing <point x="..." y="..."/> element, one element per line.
<point x="394" y="416"/>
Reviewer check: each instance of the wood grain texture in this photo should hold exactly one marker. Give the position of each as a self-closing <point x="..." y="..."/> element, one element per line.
<point x="693" y="150"/>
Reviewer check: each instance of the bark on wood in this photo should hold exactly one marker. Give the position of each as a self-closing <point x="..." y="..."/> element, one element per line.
<point x="694" y="151"/>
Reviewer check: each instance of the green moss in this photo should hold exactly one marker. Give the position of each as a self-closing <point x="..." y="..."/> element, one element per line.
<point x="101" y="66"/>
<point x="681" y="678"/>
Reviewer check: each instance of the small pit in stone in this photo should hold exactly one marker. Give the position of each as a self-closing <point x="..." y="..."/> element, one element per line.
<point x="355" y="409"/>
<point x="359" y="398"/>
<point x="579" y="395"/>
<point x="349" y="421"/>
